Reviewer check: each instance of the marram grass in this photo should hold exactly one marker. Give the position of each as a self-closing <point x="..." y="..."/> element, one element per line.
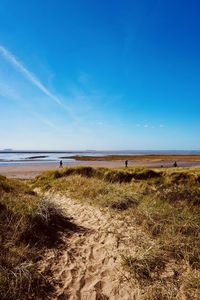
<point x="165" y="204"/>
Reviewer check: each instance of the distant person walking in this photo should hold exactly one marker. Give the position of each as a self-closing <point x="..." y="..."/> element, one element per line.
<point x="126" y="163"/>
<point x="175" y="164"/>
<point x="61" y="164"/>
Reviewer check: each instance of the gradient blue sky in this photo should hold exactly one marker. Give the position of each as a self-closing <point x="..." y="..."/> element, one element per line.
<point x="88" y="74"/>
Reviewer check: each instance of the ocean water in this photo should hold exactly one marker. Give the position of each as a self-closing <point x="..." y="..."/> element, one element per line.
<point x="28" y="157"/>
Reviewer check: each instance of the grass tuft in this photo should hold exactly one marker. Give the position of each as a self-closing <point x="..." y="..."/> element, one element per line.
<point x="146" y="264"/>
<point x="28" y="225"/>
<point x="124" y="203"/>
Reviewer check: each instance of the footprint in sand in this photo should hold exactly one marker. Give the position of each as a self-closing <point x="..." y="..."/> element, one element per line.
<point x="89" y="268"/>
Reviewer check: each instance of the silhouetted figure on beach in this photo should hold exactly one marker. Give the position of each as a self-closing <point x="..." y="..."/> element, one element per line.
<point x="61" y="164"/>
<point x="126" y="163"/>
<point x="175" y="164"/>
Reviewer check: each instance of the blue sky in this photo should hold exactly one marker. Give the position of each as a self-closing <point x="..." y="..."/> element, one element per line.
<point x="88" y="74"/>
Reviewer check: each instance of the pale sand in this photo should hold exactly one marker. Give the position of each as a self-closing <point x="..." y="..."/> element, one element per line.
<point x="89" y="266"/>
<point x="31" y="170"/>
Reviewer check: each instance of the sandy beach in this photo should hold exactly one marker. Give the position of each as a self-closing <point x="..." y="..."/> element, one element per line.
<point x="31" y="170"/>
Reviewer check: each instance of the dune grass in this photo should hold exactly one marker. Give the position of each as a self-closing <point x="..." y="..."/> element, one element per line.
<point x="28" y="226"/>
<point x="165" y="204"/>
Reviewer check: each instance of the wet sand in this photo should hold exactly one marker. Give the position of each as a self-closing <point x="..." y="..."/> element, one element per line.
<point x="31" y="170"/>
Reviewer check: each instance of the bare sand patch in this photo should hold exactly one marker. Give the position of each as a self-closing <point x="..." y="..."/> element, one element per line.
<point x="90" y="266"/>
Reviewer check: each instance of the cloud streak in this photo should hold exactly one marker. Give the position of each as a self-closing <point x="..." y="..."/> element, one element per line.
<point x="27" y="74"/>
<point x="7" y="91"/>
<point x="44" y="120"/>
<point x="150" y="126"/>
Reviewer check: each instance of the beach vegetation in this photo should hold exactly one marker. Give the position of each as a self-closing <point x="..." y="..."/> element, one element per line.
<point x="28" y="226"/>
<point x="164" y="204"/>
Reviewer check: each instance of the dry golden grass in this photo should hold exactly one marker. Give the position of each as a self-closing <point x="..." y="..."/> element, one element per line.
<point x="28" y="225"/>
<point x="164" y="204"/>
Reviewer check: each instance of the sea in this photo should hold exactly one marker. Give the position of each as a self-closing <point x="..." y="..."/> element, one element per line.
<point x="11" y="157"/>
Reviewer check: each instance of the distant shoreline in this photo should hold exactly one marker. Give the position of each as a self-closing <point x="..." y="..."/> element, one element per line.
<point x="149" y="157"/>
<point x="79" y="159"/>
<point x="142" y="152"/>
<point x="27" y="170"/>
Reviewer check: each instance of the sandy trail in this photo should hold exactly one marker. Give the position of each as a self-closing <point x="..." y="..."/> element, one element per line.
<point x="90" y="266"/>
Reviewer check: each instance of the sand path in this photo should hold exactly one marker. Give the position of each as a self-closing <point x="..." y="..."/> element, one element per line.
<point x="90" y="266"/>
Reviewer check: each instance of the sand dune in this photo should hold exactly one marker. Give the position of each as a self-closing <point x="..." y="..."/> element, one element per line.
<point x="90" y="265"/>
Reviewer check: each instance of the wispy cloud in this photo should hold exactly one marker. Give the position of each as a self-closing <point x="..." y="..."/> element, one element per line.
<point x="72" y="108"/>
<point x="44" y="120"/>
<point x="27" y="74"/>
<point x="7" y="92"/>
<point x="150" y="126"/>
<point x="81" y="101"/>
